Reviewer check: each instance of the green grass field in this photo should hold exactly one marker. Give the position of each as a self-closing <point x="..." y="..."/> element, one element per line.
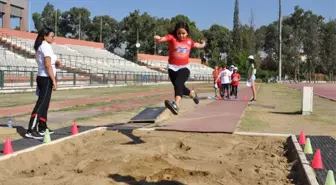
<point x="286" y="117"/>
<point x="18" y="99"/>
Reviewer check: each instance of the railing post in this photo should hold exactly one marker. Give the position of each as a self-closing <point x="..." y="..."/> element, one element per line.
<point x="104" y="78"/>
<point x="115" y="79"/>
<point x="2" y="79"/>
<point x="90" y="79"/>
<point x="74" y="79"/>
<point x="31" y="78"/>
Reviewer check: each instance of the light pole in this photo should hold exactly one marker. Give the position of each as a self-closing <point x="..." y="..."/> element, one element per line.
<point x="154" y="44"/>
<point x="79" y="32"/>
<point x="56" y="22"/>
<point x="280" y="40"/>
<point x="137" y="45"/>
<point x="101" y="28"/>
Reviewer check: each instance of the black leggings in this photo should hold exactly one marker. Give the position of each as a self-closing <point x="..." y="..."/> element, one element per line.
<point x="44" y="85"/>
<point x="178" y="78"/>
<point x="234" y="90"/>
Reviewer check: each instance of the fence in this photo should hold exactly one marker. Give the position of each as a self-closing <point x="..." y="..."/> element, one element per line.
<point x="26" y="79"/>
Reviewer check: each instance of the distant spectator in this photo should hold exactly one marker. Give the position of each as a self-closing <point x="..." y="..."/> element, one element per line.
<point x="217" y="81"/>
<point x="231" y="71"/>
<point x="225" y="76"/>
<point x="235" y="82"/>
<point x="251" y="74"/>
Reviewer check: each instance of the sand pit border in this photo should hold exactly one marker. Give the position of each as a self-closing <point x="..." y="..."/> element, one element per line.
<point x="306" y="173"/>
<point x="261" y="134"/>
<point x="4" y="157"/>
<point x="309" y="174"/>
<point x="308" y="170"/>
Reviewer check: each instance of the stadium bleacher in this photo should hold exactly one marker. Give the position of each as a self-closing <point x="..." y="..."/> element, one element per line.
<point x="80" y="57"/>
<point x="95" y="59"/>
<point x="161" y="62"/>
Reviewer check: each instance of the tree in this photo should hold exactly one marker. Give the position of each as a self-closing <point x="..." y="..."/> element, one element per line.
<point x="105" y="29"/>
<point x="328" y="48"/>
<point x="46" y="18"/>
<point x="218" y="41"/>
<point x="236" y="31"/>
<point x="260" y="35"/>
<point x="311" y="42"/>
<point x="77" y="22"/>
<point x="140" y="26"/>
<point x="162" y="26"/>
<point x="296" y="21"/>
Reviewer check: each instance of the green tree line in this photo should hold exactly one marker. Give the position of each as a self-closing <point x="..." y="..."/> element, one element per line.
<point x="308" y="39"/>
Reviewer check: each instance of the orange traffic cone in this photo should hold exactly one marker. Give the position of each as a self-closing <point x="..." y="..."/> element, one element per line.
<point x="302" y="139"/>
<point x="74" y="129"/>
<point x="8" y="149"/>
<point x="317" y="161"/>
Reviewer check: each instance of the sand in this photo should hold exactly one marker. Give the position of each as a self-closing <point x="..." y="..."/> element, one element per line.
<point x="152" y="158"/>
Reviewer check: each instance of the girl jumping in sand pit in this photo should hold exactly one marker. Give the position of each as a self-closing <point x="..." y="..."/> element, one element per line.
<point x="179" y="45"/>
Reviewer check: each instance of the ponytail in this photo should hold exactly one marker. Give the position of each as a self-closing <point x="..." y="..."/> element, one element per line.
<point x="40" y="37"/>
<point x="38" y="41"/>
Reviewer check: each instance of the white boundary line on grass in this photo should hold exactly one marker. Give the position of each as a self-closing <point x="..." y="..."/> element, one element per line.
<point x="4" y="157"/>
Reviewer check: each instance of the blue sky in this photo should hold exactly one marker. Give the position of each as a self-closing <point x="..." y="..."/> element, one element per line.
<point x="204" y="13"/>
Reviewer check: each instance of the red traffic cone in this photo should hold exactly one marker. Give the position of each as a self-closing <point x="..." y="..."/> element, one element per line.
<point x="302" y="139"/>
<point x="317" y="161"/>
<point x="245" y="98"/>
<point x="8" y="149"/>
<point x="74" y="129"/>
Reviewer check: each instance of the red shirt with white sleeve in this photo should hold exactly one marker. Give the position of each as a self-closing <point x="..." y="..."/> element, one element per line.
<point x="179" y="51"/>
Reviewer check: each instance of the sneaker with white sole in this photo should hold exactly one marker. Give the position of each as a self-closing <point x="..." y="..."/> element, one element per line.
<point x="171" y="105"/>
<point x="33" y="134"/>
<point x="42" y="131"/>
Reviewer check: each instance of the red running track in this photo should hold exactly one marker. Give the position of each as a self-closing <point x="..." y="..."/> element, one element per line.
<point x="323" y="90"/>
<point x="219" y="116"/>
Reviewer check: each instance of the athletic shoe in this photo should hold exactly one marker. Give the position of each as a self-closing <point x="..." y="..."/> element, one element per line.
<point x="42" y="131"/>
<point x="171" y="105"/>
<point x="196" y="99"/>
<point x="33" y="134"/>
<point x="236" y="97"/>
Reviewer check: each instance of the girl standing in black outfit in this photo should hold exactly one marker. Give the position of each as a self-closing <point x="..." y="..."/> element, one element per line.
<point x="46" y="83"/>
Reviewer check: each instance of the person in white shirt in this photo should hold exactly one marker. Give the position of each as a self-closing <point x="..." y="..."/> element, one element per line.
<point x="230" y="86"/>
<point x="225" y="76"/>
<point x="46" y="61"/>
